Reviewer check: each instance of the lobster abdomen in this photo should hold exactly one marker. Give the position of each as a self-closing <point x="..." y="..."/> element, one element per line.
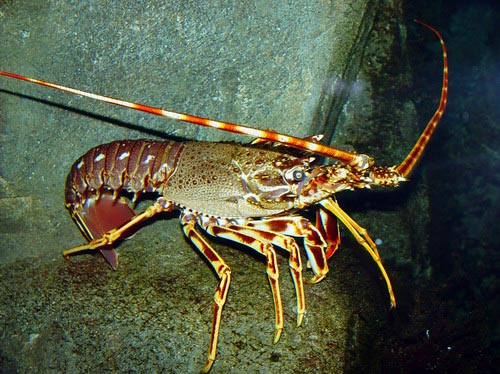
<point x="132" y="165"/>
<point x="96" y="179"/>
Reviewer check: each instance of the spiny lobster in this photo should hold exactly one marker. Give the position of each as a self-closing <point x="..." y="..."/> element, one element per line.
<point x="244" y="193"/>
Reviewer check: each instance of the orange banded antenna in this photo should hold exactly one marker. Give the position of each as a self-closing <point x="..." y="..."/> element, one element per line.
<point x="357" y="160"/>
<point x="320" y="149"/>
<point x="408" y="164"/>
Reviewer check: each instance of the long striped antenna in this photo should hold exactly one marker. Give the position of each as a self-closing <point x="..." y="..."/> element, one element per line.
<point x="303" y="144"/>
<point x="408" y="164"/>
<point x="357" y="160"/>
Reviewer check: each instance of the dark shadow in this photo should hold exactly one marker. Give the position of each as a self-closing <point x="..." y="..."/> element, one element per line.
<point x="85" y="113"/>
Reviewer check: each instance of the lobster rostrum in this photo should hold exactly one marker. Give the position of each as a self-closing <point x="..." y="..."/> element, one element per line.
<point x="244" y="193"/>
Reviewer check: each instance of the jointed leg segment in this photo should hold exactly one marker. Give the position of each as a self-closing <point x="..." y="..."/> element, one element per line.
<point x="294" y="262"/>
<point x="361" y="235"/>
<point x="266" y="249"/>
<point x="108" y="238"/>
<point x="223" y="272"/>
<point x="314" y="243"/>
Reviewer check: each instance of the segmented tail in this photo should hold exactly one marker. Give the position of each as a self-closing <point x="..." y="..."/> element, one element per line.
<point x="408" y="164"/>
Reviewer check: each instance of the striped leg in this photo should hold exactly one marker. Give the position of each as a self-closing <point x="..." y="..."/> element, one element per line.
<point x="266" y="249"/>
<point x="223" y="272"/>
<point x="328" y="226"/>
<point x="361" y="235"/>
<point x="314" y="243"/>
<point x="294" y="262"/>
<point x="111" y="236"/>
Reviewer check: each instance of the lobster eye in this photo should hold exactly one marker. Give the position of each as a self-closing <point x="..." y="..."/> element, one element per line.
<point x="299" y="175"/>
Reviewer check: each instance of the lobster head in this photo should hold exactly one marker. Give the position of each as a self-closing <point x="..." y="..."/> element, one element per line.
<point x="324" y="181"/>
<point x="281" y="181"/>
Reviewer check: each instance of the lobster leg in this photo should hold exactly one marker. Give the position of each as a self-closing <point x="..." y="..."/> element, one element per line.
<point x="98" y="216"/>
<point x="328" y="226"/>
<point x="362" y="237"/>
<point x="314" y="243"/>
<point x="294" y="262"/>
<point x="108" y="238"/>
<point x="223" y="272"/>
<point x="266" y="249"/>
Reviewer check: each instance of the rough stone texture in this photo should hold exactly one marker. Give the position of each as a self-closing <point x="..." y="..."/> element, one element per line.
<point x="285" y="66"/>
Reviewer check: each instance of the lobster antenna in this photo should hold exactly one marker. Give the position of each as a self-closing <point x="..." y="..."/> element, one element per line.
<point x="356" y="160"/>
<point x="303" y="144"/>
<point x="408" y="164"/>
